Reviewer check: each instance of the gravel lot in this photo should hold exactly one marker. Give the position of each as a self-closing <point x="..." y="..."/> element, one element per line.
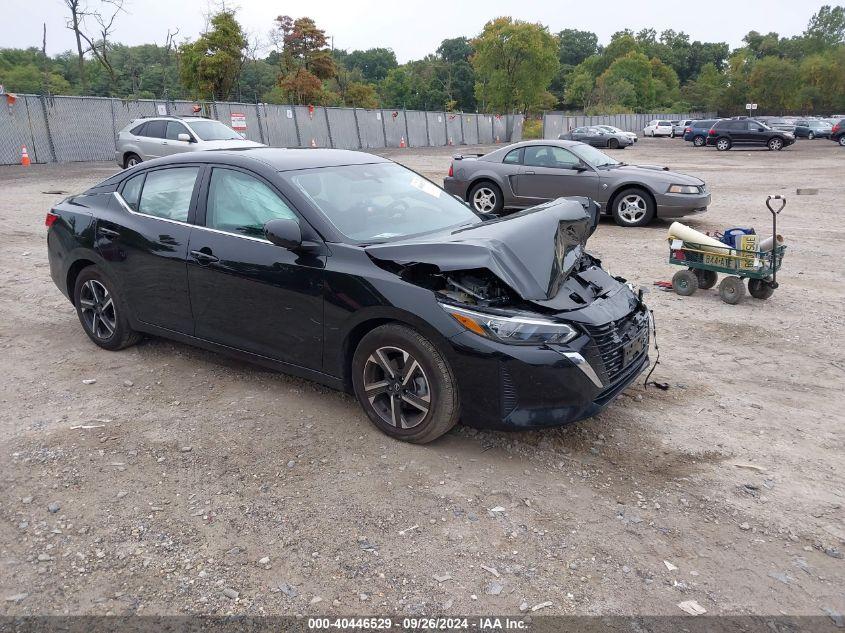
<point x="163" y="479"/>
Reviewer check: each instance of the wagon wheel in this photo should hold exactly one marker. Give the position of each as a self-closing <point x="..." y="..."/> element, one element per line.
<point x="685" y="282"/>
<point x="706" y="278"/>
<point x="732" y="290"/>
<point x="760" y="289"/>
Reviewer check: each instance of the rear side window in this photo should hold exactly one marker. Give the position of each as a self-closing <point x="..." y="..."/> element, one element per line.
<point x="138" y="130"/>
<point x="513" y="157"/>
<point x="132" y="191"/>
<point x="167" y="193"/>
<point x="155" y="129"/>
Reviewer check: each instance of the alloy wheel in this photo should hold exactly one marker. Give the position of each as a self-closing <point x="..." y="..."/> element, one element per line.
<point x="722" y="144"/>
<point x="811" y="136"/>
<point x="397" y="388"/>
<point x="484" y="200"/>
<point x="632" y="208"/>
<point x="698" y="141"/>
<point x="775" y="144"/>
<point x="98" y="311"/>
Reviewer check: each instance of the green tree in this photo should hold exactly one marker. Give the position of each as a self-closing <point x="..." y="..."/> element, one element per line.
<point x="515" y="62"/>
<point x="827" y="27"/>
<point x="575" y="46"/>
<point x="774" y="83"/>
<point x="373" y="63"/>
<point x="211" y="65"/>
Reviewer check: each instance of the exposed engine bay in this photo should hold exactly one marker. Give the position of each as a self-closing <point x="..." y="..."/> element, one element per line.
<point x="531" y="260"/>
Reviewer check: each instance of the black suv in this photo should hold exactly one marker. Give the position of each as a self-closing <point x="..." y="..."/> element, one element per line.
<point x="729" y="132"/>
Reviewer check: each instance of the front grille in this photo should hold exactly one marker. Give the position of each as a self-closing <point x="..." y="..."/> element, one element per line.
<point x="610" y="339"/>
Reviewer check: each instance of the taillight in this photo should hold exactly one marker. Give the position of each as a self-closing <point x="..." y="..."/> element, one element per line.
<point x="687" y="129"/>
<point x="835" y="128"/>
<point x="712" y="132"/>
<point x="50" y="220"/>
<point x="451" y="171"/>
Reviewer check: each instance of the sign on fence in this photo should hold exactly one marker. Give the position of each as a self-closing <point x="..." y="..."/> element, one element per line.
<point x="239" y="121"/>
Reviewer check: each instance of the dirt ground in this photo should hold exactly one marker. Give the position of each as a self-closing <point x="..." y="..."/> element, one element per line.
<point x="166" y="480"/>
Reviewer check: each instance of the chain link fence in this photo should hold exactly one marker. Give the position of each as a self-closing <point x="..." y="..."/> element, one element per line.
<point x="71" y="129"/>
<point x="556" y="123"/>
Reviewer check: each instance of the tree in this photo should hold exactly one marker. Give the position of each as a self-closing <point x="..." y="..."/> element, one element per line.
<point x="575" y="46"/>
<point x="212" y="64"/>
<point x="773" y="84"/>
<point x="373" y="63"/>
<point x="455" y="50"/>
<point x="303" y="46"/>
<point x="361" y="95"/>
<point x="827" y="26"/>
<point x="516" y="62"/>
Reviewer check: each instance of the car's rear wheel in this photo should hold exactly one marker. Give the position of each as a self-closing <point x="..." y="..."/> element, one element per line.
<point x="131" y="160"/>
<point x="101" y="312"/>
<point x="486" y="197"/>
<point x="633" y="207"/>
<point x="699" y="141"/>
<point x="404" y="384"/>
<point x="810" y="136"/>
<point x="842" y="140"/>
<point x="775" y="144"/>
<point x="613" y="144"/>
<point x="723" y="144"/>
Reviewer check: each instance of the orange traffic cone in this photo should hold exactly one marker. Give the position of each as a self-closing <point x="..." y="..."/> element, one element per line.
<point x="313" y="143"/>
<point x="402" y="142"/>
<point x="497" y="139"/>
<point x="24" y="156"/>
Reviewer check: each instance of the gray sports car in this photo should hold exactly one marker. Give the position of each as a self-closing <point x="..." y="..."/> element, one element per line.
<point x="598" y="137"/>
<point x="524" y="174"/>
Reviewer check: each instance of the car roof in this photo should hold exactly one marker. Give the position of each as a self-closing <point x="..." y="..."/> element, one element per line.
<point x="276" y="158"/>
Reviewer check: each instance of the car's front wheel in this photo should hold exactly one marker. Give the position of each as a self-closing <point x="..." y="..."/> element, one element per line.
<point x="101" y="312"/>
<point x="842" y="140"/>
<point x="613" y="144"/>
<point x="775" y="144"/>
<point x="810" y="136"/>
<point x="404" y="384"/>
<point x="486" y="197"/>
<point x="633" y="207"/>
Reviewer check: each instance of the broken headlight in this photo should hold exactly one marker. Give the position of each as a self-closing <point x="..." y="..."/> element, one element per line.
<point x="513" y="330"/>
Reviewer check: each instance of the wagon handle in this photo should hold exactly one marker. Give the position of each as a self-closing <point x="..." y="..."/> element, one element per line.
<point x="775" y="212"/>
<point x="780" y="198"/>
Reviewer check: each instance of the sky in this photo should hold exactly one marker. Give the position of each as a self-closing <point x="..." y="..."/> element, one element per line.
<point x="413" y="28"/>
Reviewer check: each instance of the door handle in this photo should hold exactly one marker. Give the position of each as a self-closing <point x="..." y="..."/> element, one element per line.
<point x="164" y="142"/>
<point x="529" y="173"/>
<point x="107" y="232"/>
<point x="204" y="258"/>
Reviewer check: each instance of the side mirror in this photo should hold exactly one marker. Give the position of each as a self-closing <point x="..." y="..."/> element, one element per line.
<point x="582" y="166"/>
<point x="284" y="233"/>
<point x="184" y="137"/>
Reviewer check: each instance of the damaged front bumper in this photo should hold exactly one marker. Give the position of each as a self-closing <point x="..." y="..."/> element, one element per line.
<point x="541" y="386"/>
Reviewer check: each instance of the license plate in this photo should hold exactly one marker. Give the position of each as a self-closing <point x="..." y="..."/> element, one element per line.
<point x="635" y="348"/>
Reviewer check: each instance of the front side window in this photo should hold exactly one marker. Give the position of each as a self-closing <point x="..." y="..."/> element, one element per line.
<point x="593" y="156"/>
<point x="380" y="201"/>
<point x="167" y="193"/>
<point x="174" y="129"/>
<point x="240" y="203"/>
<point x="550" y="156"/>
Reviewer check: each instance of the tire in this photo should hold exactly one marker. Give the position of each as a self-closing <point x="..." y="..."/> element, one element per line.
<point x="760" y="289"/>
<point x="101" y="311"/>
<point x="429" y="404"/>
<point x="732" y="290"/>
<point x="841" y="140"/>
<point x="672" y="135"/>
<point x="486" y="197"/>
<point x="613" y="144"/>
<point x="775" y="144"/>
<point x="699" y="141"/>
<point x="633" y="207"/>
<point x="723" y="144"/>
<point x="810" y="136"/>
<point x="130" y="160"/>
<point x="706" y="278"/>
<point x="685" y="283"/>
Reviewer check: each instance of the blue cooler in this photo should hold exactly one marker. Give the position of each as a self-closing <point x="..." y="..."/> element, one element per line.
<point x="730" y="236"/>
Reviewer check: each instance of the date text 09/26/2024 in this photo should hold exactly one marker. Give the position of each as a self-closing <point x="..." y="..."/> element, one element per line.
<point x="486" y="623"/>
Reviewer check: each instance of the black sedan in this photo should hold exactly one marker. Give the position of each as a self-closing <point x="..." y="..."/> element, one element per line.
<point x="598" y="137"/>
<point x="348" y="269"/>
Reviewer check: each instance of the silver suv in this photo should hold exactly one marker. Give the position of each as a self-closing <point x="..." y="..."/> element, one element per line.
<point x="145" y="139"/>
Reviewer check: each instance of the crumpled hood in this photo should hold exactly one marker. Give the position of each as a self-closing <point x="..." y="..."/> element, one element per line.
<point x="532" y="251"/>
<point x="656" y="172"/>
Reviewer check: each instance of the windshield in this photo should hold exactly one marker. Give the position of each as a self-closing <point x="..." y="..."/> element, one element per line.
<point x="591" y="155"/>
<point x="379" y="202"/>
<point x="214" y="131"/>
